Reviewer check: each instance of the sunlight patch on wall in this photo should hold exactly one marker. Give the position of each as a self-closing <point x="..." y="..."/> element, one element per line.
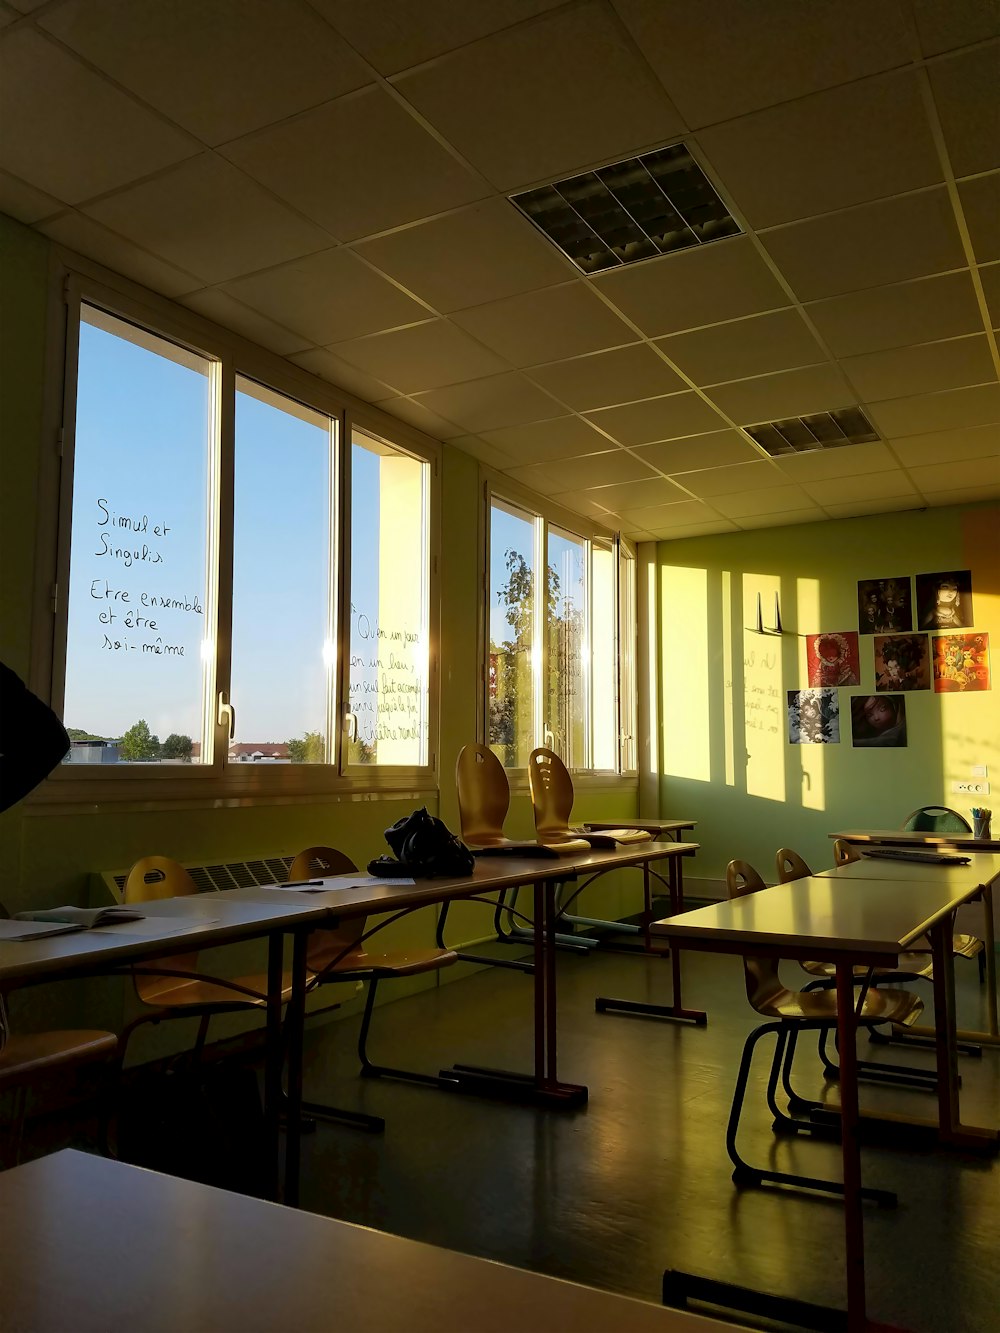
<point x="812" y="758"/>
<point x="727" y="677"/>
<point x="684" y="618"/>
<point x="763" y="699"/>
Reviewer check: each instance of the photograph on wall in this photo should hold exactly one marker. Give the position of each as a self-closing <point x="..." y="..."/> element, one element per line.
<point x="832" y="659"/>
<point x="878" y="720"/>
<point x="813" y="717"/>
<point x="961" y="663"/>
<point x="884" y="606"/>
<point x="902" y="662"/>
<point x="944" y="601"/>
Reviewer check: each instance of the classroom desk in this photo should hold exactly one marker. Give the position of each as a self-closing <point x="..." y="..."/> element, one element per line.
<point x="984" y="865"/>
<point x="671" y="828"/>
<point x="844" y="923"/>
<point x="894" y="837"/>
<point x="93" y="1245"/>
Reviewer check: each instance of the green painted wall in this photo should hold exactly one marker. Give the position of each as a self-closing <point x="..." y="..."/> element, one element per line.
<point x="725" y="757"/>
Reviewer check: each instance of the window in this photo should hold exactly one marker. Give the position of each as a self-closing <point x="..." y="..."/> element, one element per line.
<point x="560" y="665"/>
<point x="244" y="596"/>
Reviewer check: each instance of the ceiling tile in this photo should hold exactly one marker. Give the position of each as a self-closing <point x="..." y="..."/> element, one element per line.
<point x="703" y="285"/>
<point x="545" y="478"/>
<point x="681" y="531"/>
<point x="684" y="514"/>
<point x="923" y="369"/>
<point x="603" y="379"/>
<point x="955" y="408"/>
<point x="328" y="297"/>
<point x="424" y="356"/>
<point x="943" y="445"/>
<point x="657" y="419"/>
<point x="89" y="238"/>
<point x="23" y="202"/>
<point x="773" y="500"/>
<point x="328" y="366"/>
<point x="629" y="495"/>
<point x="729" y="480"/>
<point x="544" y="99"/>
<point x="478" y="254"/>
<point x="908" y="312"/>
<point x="967" y="495"/>
<point x="864" y="141"/>
<point x="50" y="141"/>
<point x="848" y="460"/>
<point x="548" y="441"/>
<point x="981" y="207"/>
<point x="767" y="519"/>
<point x="357" y="165"/>
<point x="793" y="393"/>
<point x="537" y="326"/>
<point x="395" y="34"/>
<point x="845" y="490"/>
<point x="419" y="415"/>
<point x="478" y="448"/>
<point x="582" y="503"/>
<point x="886" y="505"/>
<point x="990" y="278"/>
<point x="870" y="246"/>
<point x="965" y="94"/>
<point x="207" y="218"/>
<point x="717" y="448"/>
<point x="608" y="468"/>
<point x="491" y="404"/>
<point x="744" y="347"/>
<point x="957" y="474"/>
<point x="762" y="54"/>
<point x="958" y="23"/>
<point x="217" y="70"/>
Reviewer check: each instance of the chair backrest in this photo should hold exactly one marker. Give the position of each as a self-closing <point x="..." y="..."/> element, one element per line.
<point x="150" y="879"/>
<point x="760" y="974"/>
<point x="844" y="852"/>
<point x="936" y="819"/>
<point x="327" y="946"/>
<point x="551" y="790"/>
<point x="789" y="865"/>
<point x="483" y="796"/>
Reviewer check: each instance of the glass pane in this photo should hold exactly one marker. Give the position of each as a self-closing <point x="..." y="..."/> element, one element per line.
<point x="627" y="640"/>
<point x="511" y="695"/>
<point x="388" y="680"/>
<point x="604" y="659"/>
<point x="283" y="540"/>
<point x="138" y="651"/>
<point x="566" y="613"/>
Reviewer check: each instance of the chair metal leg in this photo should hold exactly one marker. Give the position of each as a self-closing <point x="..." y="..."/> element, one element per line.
<point x="371" y="1070"/>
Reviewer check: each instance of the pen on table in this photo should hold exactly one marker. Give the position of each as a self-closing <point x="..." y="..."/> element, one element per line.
<point x="301" y="884"/>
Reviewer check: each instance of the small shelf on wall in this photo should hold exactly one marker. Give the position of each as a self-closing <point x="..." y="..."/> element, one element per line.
<point x="760" y="627"/>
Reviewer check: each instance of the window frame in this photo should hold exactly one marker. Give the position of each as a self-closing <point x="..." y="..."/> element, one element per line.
<point x="498" y="489"/>
<point x="75" y="283"/>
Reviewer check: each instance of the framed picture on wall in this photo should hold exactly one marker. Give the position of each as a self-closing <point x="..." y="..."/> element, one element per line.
<point x="878" y="721"/>
<point x="944" y="601"/>
<point x="832" y="659"/>
<point x="902" y="662"/>
<point x="961" y="663"/>
<point x="884" y="605"/>
<point x="813" y="717"/>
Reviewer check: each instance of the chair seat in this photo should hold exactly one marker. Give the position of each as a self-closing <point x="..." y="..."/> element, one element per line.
<point x="963" y="946"/>
<point x="913" y="964"/>
<point x="23" y="1057"/>
<point x="182" y="992"/>
<point x="881" y="1005"/>
<point x="399" y="963"/>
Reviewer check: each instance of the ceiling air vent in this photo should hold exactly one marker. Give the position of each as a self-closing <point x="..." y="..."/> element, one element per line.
<point x="632" y="210"/>
<point x="803" y="435"/>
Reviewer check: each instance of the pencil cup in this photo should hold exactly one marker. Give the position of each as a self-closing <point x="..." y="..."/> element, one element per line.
<point x="981" y="826"/>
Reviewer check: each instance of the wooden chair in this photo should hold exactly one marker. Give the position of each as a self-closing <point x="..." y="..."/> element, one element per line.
<point x="551" y="789"/>
<point x="936" y="819"/>
<point x="26" y="1059"/>
<point x="844" y="852"/>
<point x="173" y="987"/>
<point x="788" y="1013"/>
<point x="340" y="954"/>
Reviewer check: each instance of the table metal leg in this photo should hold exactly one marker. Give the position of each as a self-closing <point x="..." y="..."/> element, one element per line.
<point x="847" y="1030"/>
<point x="273" y="1059"/>
<point x="294" y="1026"/>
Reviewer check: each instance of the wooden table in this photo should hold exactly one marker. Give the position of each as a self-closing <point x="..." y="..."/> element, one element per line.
<point x="91" y="1245"/>
<point x="845" y="923"/>
<point x="671" y="828"/>
<point x="984" y="864"/>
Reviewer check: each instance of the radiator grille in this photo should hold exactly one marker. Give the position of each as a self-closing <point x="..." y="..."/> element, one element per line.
<point x="218" y="875"/>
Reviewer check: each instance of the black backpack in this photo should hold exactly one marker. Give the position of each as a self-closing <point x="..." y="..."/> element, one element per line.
<point x="424" y="848"/>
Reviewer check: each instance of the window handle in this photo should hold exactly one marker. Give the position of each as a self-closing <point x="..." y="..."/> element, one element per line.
<point x="548" y="737"/>
<point x="351" y="726"/>
<point x="227" y="714"/>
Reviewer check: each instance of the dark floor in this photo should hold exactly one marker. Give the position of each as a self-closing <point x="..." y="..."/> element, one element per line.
<point x="639" y="1180"/>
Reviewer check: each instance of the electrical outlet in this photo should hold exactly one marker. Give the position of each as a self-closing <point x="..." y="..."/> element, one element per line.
<point x="979" y="770"/>
<point x="971" y="788"/>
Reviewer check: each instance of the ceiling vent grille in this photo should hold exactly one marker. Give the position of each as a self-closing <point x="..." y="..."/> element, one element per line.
<point x="629" y="211"/>
<point x="221" y="875"/>
<point x="804" y="435"/>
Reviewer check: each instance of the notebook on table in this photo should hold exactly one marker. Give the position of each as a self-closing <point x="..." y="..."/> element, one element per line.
<point x="925" y="854"/>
